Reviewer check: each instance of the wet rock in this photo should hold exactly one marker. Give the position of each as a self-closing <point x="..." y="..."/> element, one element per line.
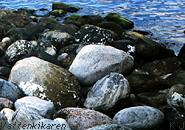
<point x="89" y="19"/>
<point x="72" y="19"/>
<point x="4" y="72"/>
<point x="95" y="61"/>
<point x="107" y="91"/>
<point x="155" y="99"/>
<point x="45" y="80"/>
<point x="145" y="46"/>
<point x="139" y="117"/>
<point x="182" y="52"/>
<point x="5" y="103"/>
<point x="112" y="26"/>
<point x="57" y="38"/>
<point x="18" y="19"/>
<point x="58" y="13"/>
<point x="42" y="107"/>
<point x="163" y="67"/>
<point x="89" y="34"/>
<point x="125" y="23"/>
<point x="176" y="98"/>
<point x="65" y="7"/>
<point x="9" y="90"/>
<point x="81" y="119"/>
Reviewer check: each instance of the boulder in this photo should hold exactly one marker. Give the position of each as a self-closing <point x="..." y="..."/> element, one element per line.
<point x="107" y="91"/>
<point x="42" y="107"/>
<point x="139" y="117"/>
<point x="5" y="103"/>
<point x="47" y="81"/>
<point x="81" y="119"/>
<point x="95" y="61"/>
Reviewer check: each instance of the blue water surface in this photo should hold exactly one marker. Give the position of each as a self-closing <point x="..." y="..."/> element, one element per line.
<point x="164" y="18"/>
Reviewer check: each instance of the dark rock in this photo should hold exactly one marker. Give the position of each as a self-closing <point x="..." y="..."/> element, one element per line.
<point x="5" y="26"/>
<point x="112" y="26"/>
<point x="81" y="119"/>
<point x="125" y="23"/>
<point x="47" y="81"/>
<point x="148" y="49"/>
<point x="9" y="90"/>
<point x="68" y="28"/>
<point x="73" y="19"/>
<point x="90" y="34"/>
<point x="90" y="19"/>
<point x="57" y="38"/>
<point x="175" y="97"/>
<point x="109" y="127"/>
<point x="58" y="13"/>
<point x="162" y="67"/>
<point x="18" y="19"/>
<point x="182" y="52"/>
<point x="65" y="7"/>
<point x="155" y="99"/>
<point x="5" y="103"/>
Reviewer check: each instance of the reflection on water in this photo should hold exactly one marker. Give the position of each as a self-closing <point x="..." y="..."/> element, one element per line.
<point x="164" y="18"/>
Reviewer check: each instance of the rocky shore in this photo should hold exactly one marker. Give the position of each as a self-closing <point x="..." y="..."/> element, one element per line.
<point x="86" y="73"/>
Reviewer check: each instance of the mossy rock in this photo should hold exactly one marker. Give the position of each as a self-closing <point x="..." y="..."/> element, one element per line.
<point x="65" y="7"/>
<point x="125" y="23"/>
<point x="58" y="13"/>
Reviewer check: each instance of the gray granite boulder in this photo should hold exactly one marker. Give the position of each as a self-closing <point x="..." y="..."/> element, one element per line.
<point x="139" y="117"/>
<point x="47" y="81"/>
<point x="107" y="91"/>
<point x="95" y="61"/>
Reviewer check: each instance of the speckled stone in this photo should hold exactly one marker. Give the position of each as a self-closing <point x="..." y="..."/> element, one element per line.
<point x="47" y="81"/>
<point x="107" y="91"/>
<point x="81" y="119"/>
<point x="176" y="97"/>
<point x="139" y="117"/>
<point x="96" y="61"/>
<point x="90" y="34"/>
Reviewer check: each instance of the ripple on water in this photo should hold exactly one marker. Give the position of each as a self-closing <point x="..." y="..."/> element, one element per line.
<point x="165" y="18"/>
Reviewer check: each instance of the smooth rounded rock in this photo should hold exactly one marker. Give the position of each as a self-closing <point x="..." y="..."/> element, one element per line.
<point x="139" y="117"/>
<point x="47" y="81"/>
<point x="95" y="61"/>
<point x="42" y="107"/>
<point x="8" y="113"/>
<point x="9" y="90"/>
<point x="81" y="119"/>
<point x="107" y="91"/>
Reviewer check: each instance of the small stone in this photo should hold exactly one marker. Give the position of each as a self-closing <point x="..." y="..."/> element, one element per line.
<point x="5" y="103"/>
<point x="139" y="117"/>
<point x="42" y="107"/>
<point x="8" y="113"/>
<point x="107" y="91"/>
<point x="81" y="119"/>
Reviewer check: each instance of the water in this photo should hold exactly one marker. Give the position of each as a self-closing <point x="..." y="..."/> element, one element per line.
<point x="164" y="18"/>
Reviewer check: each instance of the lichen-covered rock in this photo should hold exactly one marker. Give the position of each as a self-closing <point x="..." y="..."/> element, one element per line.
<point x="95" y="61"/>
<point x="42" y="107"/>
<point x="57" y="38"/>
<point x="139" y="117"/>
<point x="5" y="103"/>
<point x="107" y="91"/>
<point x="58" y="12"/>
<point x="90" y="34"/>
<point x="176" y="97"/>
<point x="45" y="80"/>
<point x="19" y="49"/>
<point x="81" y="119"/>
<point x="9" y="90"/>
<point x="125" y="23"/>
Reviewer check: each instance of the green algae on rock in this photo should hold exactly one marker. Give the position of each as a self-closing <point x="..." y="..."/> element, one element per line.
<point x="45" y="80"/>
<point x="65" y="7"/>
